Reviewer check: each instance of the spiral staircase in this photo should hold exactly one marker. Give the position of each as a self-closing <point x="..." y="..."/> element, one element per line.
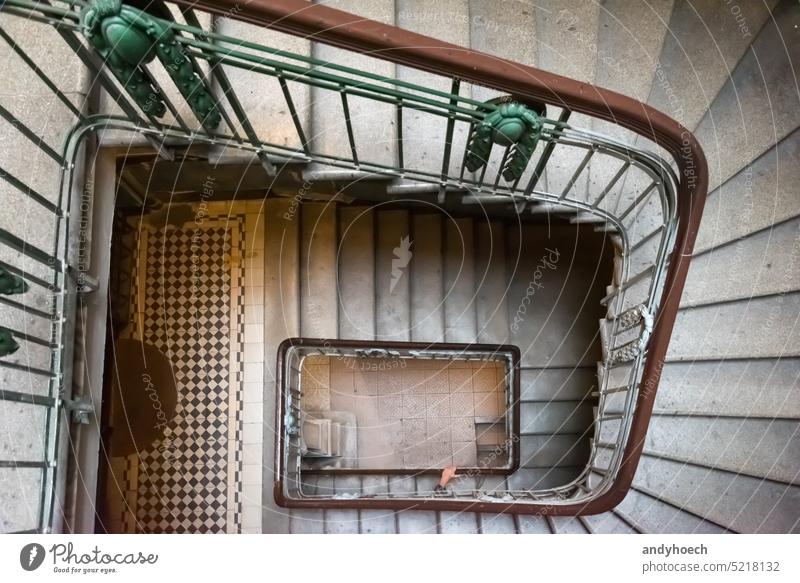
<point x="721" y="448"/>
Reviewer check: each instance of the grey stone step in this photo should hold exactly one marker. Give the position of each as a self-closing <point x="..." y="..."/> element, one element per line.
<point x="343" y="521"/>
<point x="555" y="418"/>
<point x="764" y="448"/>
<point x="318" y="306"/>
<point x="567" y="34"/>
<point x="756" y="387"/>
<point x="260" y="95"/>
<point x="760" y="104"/>
<point x="356" y="273"/>
<point x="558" y="383"/>
<point x="759" y="195"/>
<point x="356" y="299"/>
<point x="769" y="259"/>
<point x="558" y="277"/>
<point x="654" y="516"/>
<point x="509" y="33"/>
<point x="377" y="521"/>
<point x="629" y="42"/>
<point x="568" y="525"/>
<point x="497" y="524"/>
<point x="532" y="525"/>
<point x="458" y="523"/>
<point x="741" y="503"/>
<point x="491" y="284"/>
<point x="393" y="254"/>
<point x="318" y="314"/>
<point x="757" y="328"/>
<point x="540" y="451"/>
<point x="459" y="281"/>
<point x="704" y="44"/>
<point x="542" y="478"/>
<point x="608" y="523"/>
<point x="424" y="133"/>
<point x="412" y="521"/>
<point x="427" y="278"/>
<point x="373" y="123"/>
<point x="281" y="320"/>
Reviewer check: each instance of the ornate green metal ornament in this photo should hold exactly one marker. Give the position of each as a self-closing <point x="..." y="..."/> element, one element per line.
<point x="11" y="284"/>
<point x="127" y="39"/>
<point x="511" y="123"/>
<point x="7" y="343"/>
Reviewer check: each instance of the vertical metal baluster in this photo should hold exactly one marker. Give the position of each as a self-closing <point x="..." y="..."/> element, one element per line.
<point x="298" y="126"/>
<point x="545" y="158"/>
<point x="578" y="171"/>
<point x="612" y="183"/>
<point x="350" y="136"/>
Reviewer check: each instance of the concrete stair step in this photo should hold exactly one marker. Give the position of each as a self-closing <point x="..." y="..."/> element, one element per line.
<point x="426" y="278"/>
<point x="555" y="418"/>
<point x="542" y="451"/>
<point x="261" y="96"/>
<point x="684" y="85"/>
<point x="460" y="303"/>
<point x="567" y="525"/>
<point x="609" y="523"/>
<point x="767" y="258"/>
<point x="318" y="306"/>
<point x="737" y="209"/>
<point x="490" y="283"/>
<point x="318" y="309"/>
<point x="764" y="98"/>
<point x="629" y="42"/>
<point x="542" y="478"/>
<point x="654" y="516"/>
<point x="372" y="122"/>
<point x="424" y="133"/>
<point x="754" y="447"/>
<point x="393" y="253"/>
<point x="760" y="388"/>
<point x="737" y="502"/>
<point x="356" y="273"/>
<point x="757" y="328"/>
<point x="557" y="384"/>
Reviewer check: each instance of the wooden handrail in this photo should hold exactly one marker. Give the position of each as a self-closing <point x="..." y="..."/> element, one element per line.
<point x="327" y="25"/>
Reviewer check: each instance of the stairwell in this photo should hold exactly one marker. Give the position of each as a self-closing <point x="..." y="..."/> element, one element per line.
<point x="721" y="451"/>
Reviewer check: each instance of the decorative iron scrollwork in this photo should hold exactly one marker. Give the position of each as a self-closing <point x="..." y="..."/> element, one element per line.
<point x="510" y="123"/>
<point x="7" y="343"/>
<point x="127" y="39"/>
<point x="11" y="284"/>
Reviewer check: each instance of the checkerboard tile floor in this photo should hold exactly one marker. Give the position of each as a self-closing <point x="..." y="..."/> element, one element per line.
<point x="198" y="297"/>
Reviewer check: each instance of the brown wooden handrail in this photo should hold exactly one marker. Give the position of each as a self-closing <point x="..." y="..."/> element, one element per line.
<point x="342" y="29"/>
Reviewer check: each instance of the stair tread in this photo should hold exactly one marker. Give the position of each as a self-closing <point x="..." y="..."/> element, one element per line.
<point x="736" y="209"/>
<point x="685" y="83"/>
<point x="356" y="273"/>
<point x="757" y="328"/>
<point x="459" y="281"/>
<point x="426" y="278"/>
<point x="765" y="97"/>
<point x="758" y="387"/>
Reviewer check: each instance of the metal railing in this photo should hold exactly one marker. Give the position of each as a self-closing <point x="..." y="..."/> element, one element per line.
<point x="293" y="488"/>
<point x="194" y="93"/>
